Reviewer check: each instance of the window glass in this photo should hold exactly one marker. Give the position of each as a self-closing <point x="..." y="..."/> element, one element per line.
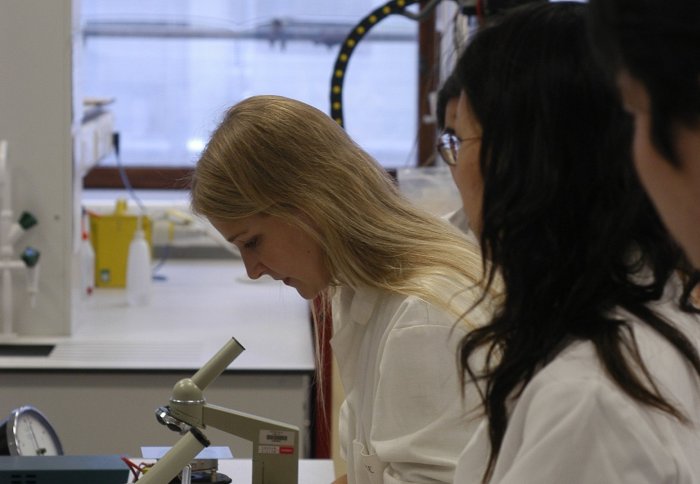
<point x="174" y="66"/>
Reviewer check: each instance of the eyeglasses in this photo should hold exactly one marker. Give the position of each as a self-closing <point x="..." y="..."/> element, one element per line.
<point x="448" y="145"/>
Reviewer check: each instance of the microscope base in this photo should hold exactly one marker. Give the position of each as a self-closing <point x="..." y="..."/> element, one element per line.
<point x="204" y="476"/>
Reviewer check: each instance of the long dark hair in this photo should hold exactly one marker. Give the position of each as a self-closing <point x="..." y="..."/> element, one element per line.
<point x="450" y="89"/>
<point x="657" y="42"/>
<point x="565" y="222"/>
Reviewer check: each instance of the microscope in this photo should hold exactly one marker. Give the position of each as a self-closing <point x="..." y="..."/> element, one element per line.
<point x="275" y="444"/>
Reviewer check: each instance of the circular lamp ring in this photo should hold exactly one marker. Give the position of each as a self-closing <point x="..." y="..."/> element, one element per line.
<point x="348" y="46"/>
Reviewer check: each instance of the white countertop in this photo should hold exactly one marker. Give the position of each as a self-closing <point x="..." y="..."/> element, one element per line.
<point x="192" y="313"/>
<point x="311" y="471"/>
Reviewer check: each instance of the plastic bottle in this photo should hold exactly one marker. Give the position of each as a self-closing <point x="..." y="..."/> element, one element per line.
<point x="87" y="266"/>
<point x="138" y="270"/>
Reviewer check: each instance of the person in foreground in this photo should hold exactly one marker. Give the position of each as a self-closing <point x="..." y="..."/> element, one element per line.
<point x="592" y="373"/>
<point x="306" y="205"/>
<point x="652" y="47"/>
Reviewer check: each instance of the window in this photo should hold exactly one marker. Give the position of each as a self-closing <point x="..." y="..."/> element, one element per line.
<point x="174" y="66"/>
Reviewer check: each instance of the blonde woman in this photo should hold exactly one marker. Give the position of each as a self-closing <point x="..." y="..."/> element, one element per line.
<point x="307" y="206"/>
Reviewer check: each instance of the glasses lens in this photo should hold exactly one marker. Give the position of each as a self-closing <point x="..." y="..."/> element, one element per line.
<point x="447" y="147"/>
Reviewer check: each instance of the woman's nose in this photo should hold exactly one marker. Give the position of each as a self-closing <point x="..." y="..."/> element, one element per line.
<point x="253" y="266"/>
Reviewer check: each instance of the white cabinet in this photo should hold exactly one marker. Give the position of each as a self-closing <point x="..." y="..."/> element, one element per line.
<point x="39" y="106"/>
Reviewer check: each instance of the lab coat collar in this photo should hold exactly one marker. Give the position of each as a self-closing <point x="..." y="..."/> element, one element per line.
<point x="357" y="305"/>
<point x="352" y="310"/>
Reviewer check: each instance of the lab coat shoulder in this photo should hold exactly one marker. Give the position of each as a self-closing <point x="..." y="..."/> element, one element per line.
<point x="419" y="354"/>
<point x="573" y="423"/>
<point x="420" y="423"/>
<point x="404" y="412"/>
<point x="413" y="312"/>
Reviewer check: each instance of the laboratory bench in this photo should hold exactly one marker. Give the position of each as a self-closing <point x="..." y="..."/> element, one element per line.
<point x="100" y="386"/>
<point x="311" y="471"/>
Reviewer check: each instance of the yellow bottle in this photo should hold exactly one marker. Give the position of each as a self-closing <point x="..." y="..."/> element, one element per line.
<point x="111" y="236"/>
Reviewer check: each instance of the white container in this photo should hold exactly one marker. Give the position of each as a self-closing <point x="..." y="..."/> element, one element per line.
<point x="138" y="271"/>
<point x="87" y="267"/>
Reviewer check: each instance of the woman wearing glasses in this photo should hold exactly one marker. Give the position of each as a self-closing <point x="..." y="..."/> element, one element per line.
<point x="306" y="205"/>
<point x="446" y="113"/>
<point x="592" y="372"/>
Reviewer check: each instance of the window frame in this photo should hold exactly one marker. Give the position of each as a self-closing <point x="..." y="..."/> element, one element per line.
<point x="162" y="177"/>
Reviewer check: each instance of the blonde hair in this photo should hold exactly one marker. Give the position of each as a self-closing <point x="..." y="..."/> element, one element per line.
<point x="276" y="156"/>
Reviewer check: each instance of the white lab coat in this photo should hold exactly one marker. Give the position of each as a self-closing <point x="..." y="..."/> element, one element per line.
<point x="572" y="424"/>
<point x="404" y="419"/>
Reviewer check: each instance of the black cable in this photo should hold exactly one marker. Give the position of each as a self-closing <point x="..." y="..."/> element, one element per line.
<point x="123" y="175"/>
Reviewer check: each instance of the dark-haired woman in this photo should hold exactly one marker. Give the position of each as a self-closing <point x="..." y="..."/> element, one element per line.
<point x="593" y="373"/>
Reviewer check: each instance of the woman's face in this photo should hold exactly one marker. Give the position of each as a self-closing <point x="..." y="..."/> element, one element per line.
<point x="674" y="190"/>
<point x="466" y="172"/>
<point x="271" y="246"/>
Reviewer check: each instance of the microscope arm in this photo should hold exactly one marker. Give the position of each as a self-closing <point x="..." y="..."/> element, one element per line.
<point x="275" y="444"/>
